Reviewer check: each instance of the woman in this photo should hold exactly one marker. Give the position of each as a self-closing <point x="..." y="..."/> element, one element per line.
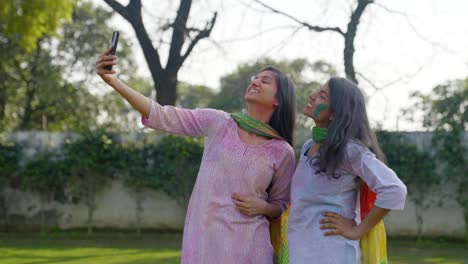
<point x="244" y="177"/>
<point x="325" y="186"/>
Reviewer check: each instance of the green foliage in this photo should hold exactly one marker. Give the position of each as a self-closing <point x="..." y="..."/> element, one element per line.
<point x="9" y="167"/>
<point x="193" y="96"/>
<point x="52" y="81"/>
<point x="86" y="165"/>
<point x="170" y="166"/>
<point x="91" y="162"/>
<point x="446" y="113"/>
<point x="176" y="164"/>
<point x="416" y="168"/>
<point x="27" y="21"/>
<point x="84" y="38"/>
<point x="39" y="89"/>
<point x="91" y="166"/>
<point x="45" y="175"/>
<point x="136" y="167"/>
<point x="9" y="163"/>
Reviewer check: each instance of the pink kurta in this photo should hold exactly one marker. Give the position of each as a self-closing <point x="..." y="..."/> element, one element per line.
<point x="215" y="230"/>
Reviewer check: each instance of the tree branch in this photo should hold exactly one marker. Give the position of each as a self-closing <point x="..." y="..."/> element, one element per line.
<point x="119" y="8"/>
<point x="305" y="24"/>
<point x="283" y="43"/>
<point x="378" y="88"/>
<point x="413" y="28"/>
<point x="201" y="35"/>
<point x="350" y="36"/>
<point x="132" y="13"/>
<point x="178" y="35"/>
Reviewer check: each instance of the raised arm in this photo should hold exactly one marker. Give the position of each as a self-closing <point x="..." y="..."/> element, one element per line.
<point x="138" y="101"/>
<point x="197" y="122"/>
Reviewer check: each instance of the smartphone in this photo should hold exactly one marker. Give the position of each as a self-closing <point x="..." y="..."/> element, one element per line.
<point x="114" y="42"/>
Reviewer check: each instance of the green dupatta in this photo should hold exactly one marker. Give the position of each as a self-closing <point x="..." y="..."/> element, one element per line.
<point x="252" y="125"/>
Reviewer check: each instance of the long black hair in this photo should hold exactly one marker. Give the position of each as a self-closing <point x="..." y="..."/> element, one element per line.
<point x="284" y="117"/>
<point x="350" y="122"/>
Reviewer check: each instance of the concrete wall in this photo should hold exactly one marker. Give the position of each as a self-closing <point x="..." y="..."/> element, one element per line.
<point x="116" y="206"/>
<point x="443" y="218"/>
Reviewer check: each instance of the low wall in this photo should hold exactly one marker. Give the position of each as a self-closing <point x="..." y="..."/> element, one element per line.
<point x="116" y="207"/>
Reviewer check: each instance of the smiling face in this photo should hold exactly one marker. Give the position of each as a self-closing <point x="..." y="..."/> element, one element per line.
<point x="262" y="90"/>
<point x="319" y="106"/>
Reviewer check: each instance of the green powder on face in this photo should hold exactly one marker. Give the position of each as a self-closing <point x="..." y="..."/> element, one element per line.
<point x="319" y="109"/>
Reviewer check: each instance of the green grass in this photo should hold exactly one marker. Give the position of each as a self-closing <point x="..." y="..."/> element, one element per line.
<point x="126" y="248"/>
<point x="428" y="251"/>
<point x="100" y="249"/>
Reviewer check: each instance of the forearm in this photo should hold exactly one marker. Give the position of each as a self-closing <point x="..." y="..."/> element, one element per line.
<point x="374" y="217"/>
<point x="272" y="211"/>
<point x="138" y="101"/>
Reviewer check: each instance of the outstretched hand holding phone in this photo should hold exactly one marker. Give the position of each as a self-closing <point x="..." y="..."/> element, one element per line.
<point x="107" y="60"/>
<point x="104" y="69"/>
<point x="113" y="46"/>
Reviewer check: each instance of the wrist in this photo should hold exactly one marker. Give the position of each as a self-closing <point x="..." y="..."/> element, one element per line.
<point x="359" y="230"/>
<point x="112" y="81"/>
<point x="266" y="208"/>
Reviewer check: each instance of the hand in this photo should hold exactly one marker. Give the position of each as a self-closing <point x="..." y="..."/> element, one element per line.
<point x="102" y="62"/>
<point x="339" y="225"/>
<point x="249" y="204"/>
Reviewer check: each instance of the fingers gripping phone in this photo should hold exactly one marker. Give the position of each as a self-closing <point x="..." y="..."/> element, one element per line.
<point x="114" y="42"/>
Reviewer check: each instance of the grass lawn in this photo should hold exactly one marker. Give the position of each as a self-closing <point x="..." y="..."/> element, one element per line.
<point x="79" y="249"/>
<point x="76" y="248"/>
<point x="428" y="251"/>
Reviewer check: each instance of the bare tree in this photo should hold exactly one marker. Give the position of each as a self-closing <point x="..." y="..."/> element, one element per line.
<point x="165" y="79"/>
<point x="349" y="35"/>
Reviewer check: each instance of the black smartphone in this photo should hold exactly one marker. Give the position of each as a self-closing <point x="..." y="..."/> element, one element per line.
<point x="114" y="42"/>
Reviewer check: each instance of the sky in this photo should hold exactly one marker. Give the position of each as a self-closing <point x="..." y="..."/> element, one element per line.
<point x="402" y="45"/>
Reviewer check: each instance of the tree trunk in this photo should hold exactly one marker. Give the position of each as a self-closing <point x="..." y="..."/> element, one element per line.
<point x="138" y="212"/>
<point x="4" y="211"/>
<point x="349" y="35"/>
<point x="91" y="207"/>
<point x="26" y="120"/>
<point x="43" y="228"/>
<point x="349" y="39"/>
<point x="165" y="79"/>
<point x="349" y="59"/>
<point x="419" y="220"/>
<point x="465" y="213"/>
<point x="2" y="102"/>
<point x="90" y="220"/>
<point x="31" y="86"/>
<point x="167" y="92"/>
<point x="462" y="199"/>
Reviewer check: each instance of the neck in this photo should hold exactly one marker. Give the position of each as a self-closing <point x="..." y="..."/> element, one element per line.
<point x="319" y="134"/>
<point x="259" y="112"/>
